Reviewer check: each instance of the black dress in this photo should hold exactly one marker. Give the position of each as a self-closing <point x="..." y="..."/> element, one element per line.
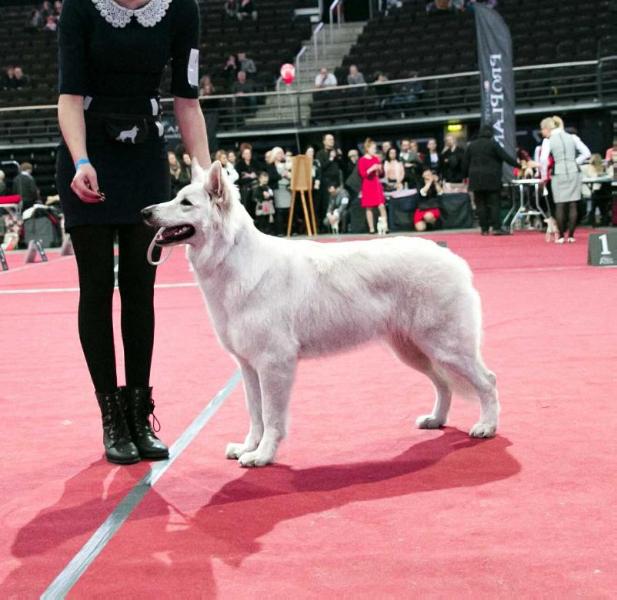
<point x="115" y="57"/>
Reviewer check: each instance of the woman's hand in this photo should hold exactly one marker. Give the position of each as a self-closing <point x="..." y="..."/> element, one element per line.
<point x="85" y="185"/>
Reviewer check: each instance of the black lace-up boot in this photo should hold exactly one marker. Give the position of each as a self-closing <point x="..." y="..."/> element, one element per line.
<point x="138" y="406"/>
<point x="119" y="448"/>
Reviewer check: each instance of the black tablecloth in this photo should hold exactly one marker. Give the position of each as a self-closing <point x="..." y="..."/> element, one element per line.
<point x="456" y="212"/>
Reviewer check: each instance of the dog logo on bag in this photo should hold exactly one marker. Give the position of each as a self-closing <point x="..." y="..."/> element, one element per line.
<point x="128" y="135"/>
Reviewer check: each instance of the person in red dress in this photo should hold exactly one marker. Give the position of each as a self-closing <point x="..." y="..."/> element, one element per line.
<point x="370" y="169"/>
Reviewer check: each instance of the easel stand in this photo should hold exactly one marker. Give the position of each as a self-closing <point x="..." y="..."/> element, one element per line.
<point x="302" y="182"/>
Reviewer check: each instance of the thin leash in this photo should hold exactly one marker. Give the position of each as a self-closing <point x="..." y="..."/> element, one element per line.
<point x="151" y="250"/>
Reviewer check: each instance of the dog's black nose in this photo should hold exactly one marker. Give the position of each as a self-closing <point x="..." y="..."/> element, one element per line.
<point x="146" y="213"/>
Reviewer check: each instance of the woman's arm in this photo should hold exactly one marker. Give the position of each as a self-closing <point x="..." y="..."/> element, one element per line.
<point x="71" y="119"/>
<point x="192" y="125"/>
<point x="584" y="154"/>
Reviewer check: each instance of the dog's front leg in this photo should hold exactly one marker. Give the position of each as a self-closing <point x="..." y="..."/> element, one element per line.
<point x="276" y="379"/>
<point x="252" y="392"/>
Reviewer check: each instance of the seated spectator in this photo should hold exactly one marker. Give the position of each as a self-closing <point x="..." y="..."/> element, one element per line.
<point x="243" y="87"/>
<point x="247" y="9"/>
<point x="3" y="188"/>
<point x="325" y="79"/>
<point x="354" y="76"/>
<point x="46" y="9"/>
<point x="221" y="156"/>
<point x="50" y="24"/>
<point x="206" y="88"/>
<point x="8" y="78"/>
<point x="382" y="89"/>
<point x="246" y="64"/>
<point x="19" y="79"/>
<point x="263" y="200"/>
<point x="230" y="70"/>
<point x="452" y="160"/>
<point x="231" y="158"/>
<point x="611" y="153"/>
<point x="432" y="160"/>
<point x="389" y="6"/>
<point x="598" y="195"/>
<point x="25" y="185"/>
<point x="35" y="20"/>
<point x="337" y="211"/>
<point x="394" y="171"/>
<point x="231" y="8"/>
<point x="57" y="7"/>
<point x="427" y="210"/>
<point x="175" y="172"/>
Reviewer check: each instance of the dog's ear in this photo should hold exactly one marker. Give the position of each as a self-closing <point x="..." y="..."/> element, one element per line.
<point x="216" y="185"/>
<point x="197" y="173"/>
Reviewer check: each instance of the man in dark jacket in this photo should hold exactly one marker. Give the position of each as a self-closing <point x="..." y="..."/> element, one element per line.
<point x="483" y="165"/>
<point x="25" y="186"/>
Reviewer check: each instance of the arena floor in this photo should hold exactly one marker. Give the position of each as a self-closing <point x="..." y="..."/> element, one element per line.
<point x="361" y="504"/>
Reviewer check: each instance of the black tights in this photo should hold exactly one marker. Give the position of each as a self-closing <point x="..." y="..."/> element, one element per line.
<point x="566" y="221"/>
<point x="94" y="251"/>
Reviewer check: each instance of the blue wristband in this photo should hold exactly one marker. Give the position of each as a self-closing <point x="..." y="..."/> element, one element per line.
<point x="81" y="161"/>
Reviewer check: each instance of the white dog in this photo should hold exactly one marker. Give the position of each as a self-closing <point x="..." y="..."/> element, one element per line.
<point x="382" y="226"/>
<point x="552" y="231"/>
<point x="273" y="301"/>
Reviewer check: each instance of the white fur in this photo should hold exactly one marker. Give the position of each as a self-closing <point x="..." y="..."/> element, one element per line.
<point x="382" y="226"/>
<point x="274" y="301"/>
<point x="552" y="232"/>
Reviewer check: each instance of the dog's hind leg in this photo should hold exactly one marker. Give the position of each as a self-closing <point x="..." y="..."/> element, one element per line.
<point x="252" y="393"/>
<point x="466" y="368"/>
<point x="276" y="379"/>
<point x="411" y="355"/>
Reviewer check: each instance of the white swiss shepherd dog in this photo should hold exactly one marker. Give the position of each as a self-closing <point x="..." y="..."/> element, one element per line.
<point x="274" y="301"/>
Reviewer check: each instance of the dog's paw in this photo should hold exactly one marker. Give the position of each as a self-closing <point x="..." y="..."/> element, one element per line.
<point x="254" y="459"/>
<point x="429" y="422"/>
<point x="483" y="430"/>
<point x="234" y="451"/>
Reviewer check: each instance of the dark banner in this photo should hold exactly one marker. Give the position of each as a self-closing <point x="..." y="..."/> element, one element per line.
<point x="496" y="77"/>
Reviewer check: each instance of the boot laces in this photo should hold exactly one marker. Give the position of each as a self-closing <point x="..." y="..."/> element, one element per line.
<point x="155" y="424"/>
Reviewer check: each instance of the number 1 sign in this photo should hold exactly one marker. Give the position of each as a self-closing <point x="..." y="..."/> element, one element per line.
<point x="602" y="249"/>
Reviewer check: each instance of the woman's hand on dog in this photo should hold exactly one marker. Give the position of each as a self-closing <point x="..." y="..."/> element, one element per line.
<point x="85" y="185"/>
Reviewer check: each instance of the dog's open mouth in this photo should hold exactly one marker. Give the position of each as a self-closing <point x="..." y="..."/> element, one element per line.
<point x="175" y="235"/>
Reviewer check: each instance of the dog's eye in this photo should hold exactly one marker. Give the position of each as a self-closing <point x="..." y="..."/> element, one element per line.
<point x="186" y="202"/>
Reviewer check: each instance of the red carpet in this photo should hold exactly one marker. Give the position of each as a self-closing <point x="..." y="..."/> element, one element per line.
<point x="361" y="504"/>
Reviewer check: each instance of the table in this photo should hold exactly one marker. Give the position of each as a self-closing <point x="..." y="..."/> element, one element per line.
<point x="523" y="210"/>
<point x="456" y="211"/>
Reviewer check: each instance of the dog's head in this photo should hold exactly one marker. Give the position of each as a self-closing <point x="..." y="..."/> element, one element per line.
<point x="198" y="210"/>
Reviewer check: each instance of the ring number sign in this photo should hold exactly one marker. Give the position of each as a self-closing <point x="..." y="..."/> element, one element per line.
<point x="602" y="250"/>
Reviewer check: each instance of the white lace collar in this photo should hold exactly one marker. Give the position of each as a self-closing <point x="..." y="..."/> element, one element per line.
<point x="120" y="16"/>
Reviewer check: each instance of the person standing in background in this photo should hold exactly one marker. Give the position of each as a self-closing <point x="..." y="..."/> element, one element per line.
<point x="371" y="169"/>
<point x="452" y="161"/>
<point x="569" y="153"/>
<point x="25" y="185"/>
<point x="330" y="158"/>
<point x="432" y="159"/>
<point x="483" y="165"/>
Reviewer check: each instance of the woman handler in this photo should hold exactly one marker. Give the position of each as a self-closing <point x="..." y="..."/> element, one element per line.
<point x="111" y="163"/>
